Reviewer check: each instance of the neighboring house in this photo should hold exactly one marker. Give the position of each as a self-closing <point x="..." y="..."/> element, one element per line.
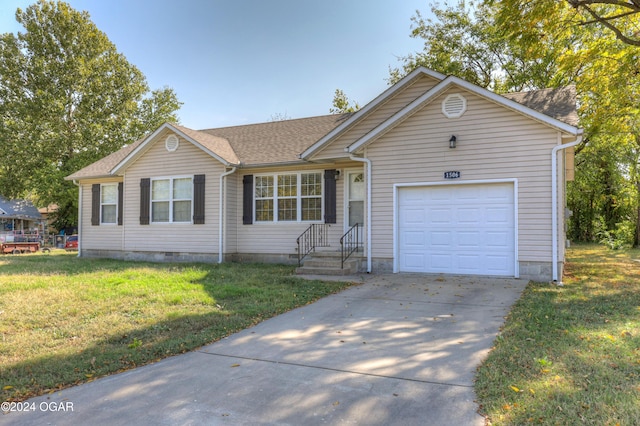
<point x="18" y="217"/>
<point x="443" y="176"/>
<point x="46" y="213"/>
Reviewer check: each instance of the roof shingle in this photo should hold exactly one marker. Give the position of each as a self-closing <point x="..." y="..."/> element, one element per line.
<point x="18" y="209"/>
<point x="557" y="103"/>
<point x="278" y="141"/>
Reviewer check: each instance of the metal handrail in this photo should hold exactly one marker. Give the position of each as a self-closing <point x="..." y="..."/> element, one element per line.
<point x="316" y="235"/>
<point x="349" y="243"/>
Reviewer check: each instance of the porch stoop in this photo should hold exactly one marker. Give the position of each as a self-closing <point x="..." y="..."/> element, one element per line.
<point x="328" y="263"/>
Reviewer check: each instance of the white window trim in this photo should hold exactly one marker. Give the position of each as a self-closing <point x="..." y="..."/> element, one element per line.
<point x="102" y="185"/>
<point x="299" y="197"/>
<point x="171" y="200"/>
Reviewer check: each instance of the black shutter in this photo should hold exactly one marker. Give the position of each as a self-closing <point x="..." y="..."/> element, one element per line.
<point x="247" y="200"/>
<point x="330" y="196"/>
<point x="198" y="199"/>
<point x="95" y="204"/>
<point x="145" y="200"/>
<point x="120" y="202"/>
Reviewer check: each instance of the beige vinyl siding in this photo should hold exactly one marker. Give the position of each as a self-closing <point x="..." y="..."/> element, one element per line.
<point x="157" y="162"/>
<point x="492" y="143"/>
<point x="231" y="207"/>
<point x="280" y="237"/>
<point x="378" y="115"/>
<point x="103" y="236"/>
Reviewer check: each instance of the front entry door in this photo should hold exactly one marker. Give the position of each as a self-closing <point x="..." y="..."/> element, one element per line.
<point x="356" y="193"/>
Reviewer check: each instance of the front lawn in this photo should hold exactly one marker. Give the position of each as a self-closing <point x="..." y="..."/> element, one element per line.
<point x="65" y="320"/>
<point x="570" y="355"/>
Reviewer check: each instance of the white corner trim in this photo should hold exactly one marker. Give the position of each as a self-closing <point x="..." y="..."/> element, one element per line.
<point x="80" y="221"/>
<point x="396" y="212"/>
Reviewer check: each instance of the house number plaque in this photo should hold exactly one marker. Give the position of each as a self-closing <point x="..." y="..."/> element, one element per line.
<point x="451" y="175"/>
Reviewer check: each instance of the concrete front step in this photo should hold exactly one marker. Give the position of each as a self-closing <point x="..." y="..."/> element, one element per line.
<point x="324" y="262"/>
<point x="327" y="265"/>
<point x="306" y="270"/>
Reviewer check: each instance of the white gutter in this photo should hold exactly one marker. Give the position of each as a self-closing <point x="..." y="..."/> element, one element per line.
<point x="221" y="224"/>
<point x="554" y="206"/>
<point x="79" y="216"/>
<point x="368" y="162"/>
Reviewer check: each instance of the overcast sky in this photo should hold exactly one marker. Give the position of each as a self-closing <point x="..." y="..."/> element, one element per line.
<point x="235" y="62"/>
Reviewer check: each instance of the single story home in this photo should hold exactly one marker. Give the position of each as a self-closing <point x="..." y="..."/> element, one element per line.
<point x="18" y="217"/>
<point x="435" y="175"/>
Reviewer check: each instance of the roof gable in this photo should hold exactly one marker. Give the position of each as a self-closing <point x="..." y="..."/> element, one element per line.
<point x="455" y="81"/>
<point x="215" y="146"/>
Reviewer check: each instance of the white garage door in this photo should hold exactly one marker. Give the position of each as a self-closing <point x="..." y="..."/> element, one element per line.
<point x="457" y="229"/>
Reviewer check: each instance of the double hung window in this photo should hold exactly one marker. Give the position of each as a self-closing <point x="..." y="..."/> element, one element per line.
<point x="108" y="203"/>
<point x="171" y="199"/>
<point x="288" y="197"/>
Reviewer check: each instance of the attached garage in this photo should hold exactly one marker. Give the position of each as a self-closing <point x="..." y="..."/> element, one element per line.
<point x="467" y="229"/>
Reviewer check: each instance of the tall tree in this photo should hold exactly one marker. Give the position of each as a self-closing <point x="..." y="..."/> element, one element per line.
<point x="67" y="98"/>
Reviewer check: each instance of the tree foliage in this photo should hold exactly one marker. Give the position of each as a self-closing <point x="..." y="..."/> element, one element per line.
<point x="620" y="17"/>
<point x="342" y="104"/>
<point x="67" y="99"/>
<point x="463" y="40"/>
<point x="513" y="45"/>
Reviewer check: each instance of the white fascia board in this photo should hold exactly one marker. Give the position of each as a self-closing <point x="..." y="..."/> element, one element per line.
<point x="445" y="84"/>
<point x="370" y="106"/>
<point x="144" y="146"/>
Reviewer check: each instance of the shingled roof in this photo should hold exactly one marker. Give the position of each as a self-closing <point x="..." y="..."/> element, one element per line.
<point x="213" y="143"/>
<point x="278" y="141"/>
<point x="557" y="103"/>
<point x="281" y="142"/>
<point x="18" y="209"/>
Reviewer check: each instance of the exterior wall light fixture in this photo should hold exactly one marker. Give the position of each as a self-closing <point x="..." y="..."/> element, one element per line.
<point x="452" y="141"/>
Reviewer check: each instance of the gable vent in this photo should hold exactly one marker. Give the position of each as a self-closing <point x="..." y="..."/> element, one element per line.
<point x="171" y="143"/>
<point x="454" y="106"/>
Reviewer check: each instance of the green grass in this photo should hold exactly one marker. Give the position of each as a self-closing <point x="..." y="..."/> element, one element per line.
<point x="570" y="355"/>
<point x="65" y="320"/>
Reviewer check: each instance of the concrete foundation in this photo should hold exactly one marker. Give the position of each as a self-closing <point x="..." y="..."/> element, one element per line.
<point x="535" y="271"/>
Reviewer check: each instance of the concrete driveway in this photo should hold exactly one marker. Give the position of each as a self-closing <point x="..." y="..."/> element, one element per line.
<point x="398" y="349"/>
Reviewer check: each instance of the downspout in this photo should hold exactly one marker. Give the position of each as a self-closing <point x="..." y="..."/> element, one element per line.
<point x="79" y="216"/>
<point x="221" y="219"/>
<point x="554" y="206"/>
<point x="368" y="162"/>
